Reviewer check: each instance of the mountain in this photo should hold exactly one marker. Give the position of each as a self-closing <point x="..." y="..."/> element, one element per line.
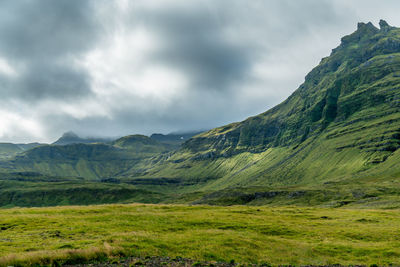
<point x="342" y="123"/>
<point x="73" y="156"/>
<point x="72" y="138"/>
<point x="359" y="80"/>
<point x="335" y="141"/>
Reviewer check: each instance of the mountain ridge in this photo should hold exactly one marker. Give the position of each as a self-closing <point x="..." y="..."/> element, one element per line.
<point x="72" y="138"/>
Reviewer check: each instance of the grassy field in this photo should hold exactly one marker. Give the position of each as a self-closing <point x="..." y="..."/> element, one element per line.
<point x="274" y="235"/>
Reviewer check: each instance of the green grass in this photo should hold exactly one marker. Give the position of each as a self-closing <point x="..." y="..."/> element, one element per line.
<point x="276" y="235"/>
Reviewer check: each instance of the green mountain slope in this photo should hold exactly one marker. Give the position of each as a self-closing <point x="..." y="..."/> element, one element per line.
<point x="343" y="122"/>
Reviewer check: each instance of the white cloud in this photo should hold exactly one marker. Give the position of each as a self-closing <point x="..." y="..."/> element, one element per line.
<point x="7" y="69"/>
<point x="14" y="126"/>
<point x="122" y="78"/>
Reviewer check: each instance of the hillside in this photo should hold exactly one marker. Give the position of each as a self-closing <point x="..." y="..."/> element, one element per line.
<point x="8" y="150"/>
<point x="89" y="161"/>
<point x="89" y="158"/>
<point x="342" y="123"/>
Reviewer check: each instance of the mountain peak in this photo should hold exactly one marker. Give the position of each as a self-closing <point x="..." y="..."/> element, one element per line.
<point x="383" y="24"/>
<point x="364" y="30"/>
<point x="366" y="26"/>
<point x="69" y="134"/>
<point x="72" y="138"/>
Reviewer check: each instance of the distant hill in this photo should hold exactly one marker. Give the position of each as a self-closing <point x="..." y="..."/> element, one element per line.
<point x="29" y="145"/>
<point x="72" y="138"/>
<point x="90" y="161"/>
<point x="89" y="158"/>
<point x="8" y="150"/>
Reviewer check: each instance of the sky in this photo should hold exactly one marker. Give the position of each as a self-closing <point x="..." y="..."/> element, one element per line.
<point x="113" y="68"/>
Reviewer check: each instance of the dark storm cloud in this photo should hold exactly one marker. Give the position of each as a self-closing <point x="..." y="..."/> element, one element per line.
<point x="41" y="38"/>
<point x="52" y="80"/>
<point x="46" y="28"/>
<point x="216" y="42"/>
<point x="194" y="42"/>
<point x="92" y="66"/>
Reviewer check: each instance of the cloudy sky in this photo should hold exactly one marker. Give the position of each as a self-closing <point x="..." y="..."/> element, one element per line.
<point x="112" y="68"/>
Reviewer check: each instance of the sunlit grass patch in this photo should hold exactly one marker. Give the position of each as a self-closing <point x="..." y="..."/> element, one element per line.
<point x="275" y="235"/>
